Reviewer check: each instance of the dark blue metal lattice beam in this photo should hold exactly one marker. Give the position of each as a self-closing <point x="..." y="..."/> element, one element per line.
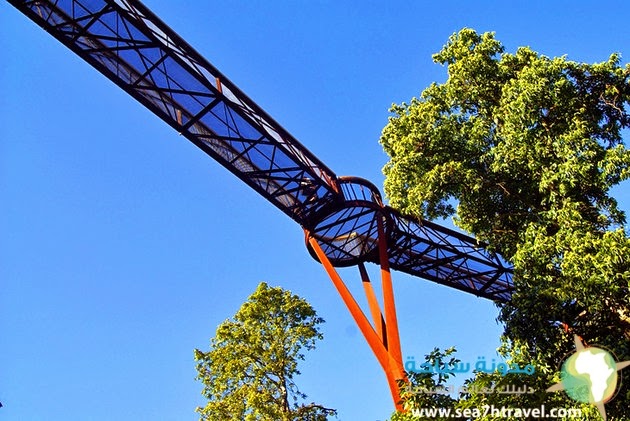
<point x="132" y="47"/>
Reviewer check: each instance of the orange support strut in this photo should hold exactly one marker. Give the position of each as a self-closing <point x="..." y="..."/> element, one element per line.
<point x="377" y="316"/>
<point x="391" y="321"/>
<point x="381" y="341"/>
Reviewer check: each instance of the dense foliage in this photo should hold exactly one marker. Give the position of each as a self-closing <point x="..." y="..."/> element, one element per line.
<point x="249" y="372"/>
<point x="523" y="150"/>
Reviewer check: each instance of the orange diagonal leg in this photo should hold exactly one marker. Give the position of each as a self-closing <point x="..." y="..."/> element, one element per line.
<point x="391" y="320"/>
<point x="390" y="366"/>
<point x="375" y="310"/>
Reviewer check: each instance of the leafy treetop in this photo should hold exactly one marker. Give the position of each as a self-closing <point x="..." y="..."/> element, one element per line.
<point x="249" y="372"/>
<point x="523" y="150"/>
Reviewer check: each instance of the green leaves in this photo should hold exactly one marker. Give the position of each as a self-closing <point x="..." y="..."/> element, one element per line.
<point x="508" y="134"/>
<point x="250" y="369"/>
<point x="522" y="150"/>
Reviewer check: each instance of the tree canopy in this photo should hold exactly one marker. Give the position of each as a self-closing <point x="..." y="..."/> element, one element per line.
<point x="522" y="150"/>
<point x="250" y="370"/>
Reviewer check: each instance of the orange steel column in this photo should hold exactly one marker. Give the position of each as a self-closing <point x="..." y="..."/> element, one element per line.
<point x="391" y="321"/>
<point x="377" y="316"/>
<point x="393" y="371"/>
<point x="355" y="310"/>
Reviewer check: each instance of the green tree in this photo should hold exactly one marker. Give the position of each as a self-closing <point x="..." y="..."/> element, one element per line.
<point x="436" y="389"/>
<point x="428" y="390"/>
<point x="249" y="372"/>
<point x="522" y="150"/>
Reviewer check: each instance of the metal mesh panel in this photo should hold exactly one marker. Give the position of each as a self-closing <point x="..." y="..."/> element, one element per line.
<point x="131" y="46"/>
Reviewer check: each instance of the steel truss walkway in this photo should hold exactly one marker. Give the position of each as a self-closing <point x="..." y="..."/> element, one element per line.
<point x="344" y="218"/>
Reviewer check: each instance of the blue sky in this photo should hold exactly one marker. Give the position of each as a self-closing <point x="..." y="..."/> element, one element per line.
<point x="123" y="246"/>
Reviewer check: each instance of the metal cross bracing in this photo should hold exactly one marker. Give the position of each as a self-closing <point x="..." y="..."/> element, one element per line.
<point x="344" y="218"/>
<point x="132" y="47"/>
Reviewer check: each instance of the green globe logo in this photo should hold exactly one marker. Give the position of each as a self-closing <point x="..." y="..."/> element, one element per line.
<point x="590" y="376"/>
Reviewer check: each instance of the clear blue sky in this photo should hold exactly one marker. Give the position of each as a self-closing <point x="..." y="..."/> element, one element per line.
<point x="122" y="246"/>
